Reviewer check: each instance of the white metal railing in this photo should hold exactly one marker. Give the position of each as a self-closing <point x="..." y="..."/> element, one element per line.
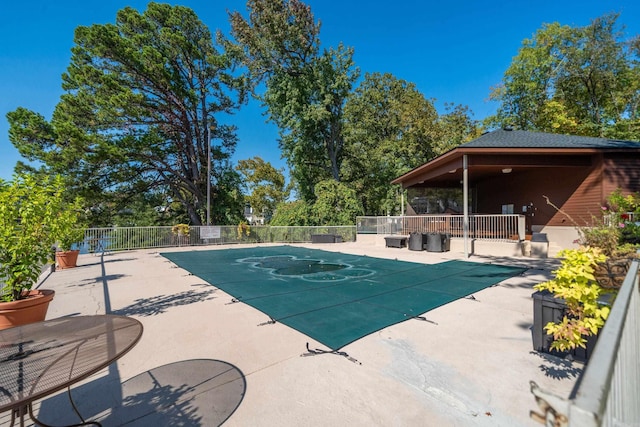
<point x="128" y="238"/>
<point x="612" y="219"/>
<point x="608" y="392"/>
<point x="486" y="227"/>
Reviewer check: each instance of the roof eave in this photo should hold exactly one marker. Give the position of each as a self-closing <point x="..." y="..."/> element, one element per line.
<point x="449" y="158"/>
<point x="450" y="155"/>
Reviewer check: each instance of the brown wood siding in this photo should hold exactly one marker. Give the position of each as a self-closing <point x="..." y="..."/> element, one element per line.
<point x="576" y="191"/>
<point x="584" y="205"/>
<point x="621" y="171"/>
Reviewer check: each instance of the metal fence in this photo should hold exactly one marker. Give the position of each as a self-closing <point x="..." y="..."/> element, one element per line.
<point x="128" y="238"/>
<point x="486" y="227"/>
<point x="613" y="219"/>
<point x="608" y="392"/>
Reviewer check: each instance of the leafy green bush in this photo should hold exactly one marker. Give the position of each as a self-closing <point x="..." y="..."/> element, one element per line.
<point x="629" y="233"/>
<point x="244" y="230"/>
<point x="181" y="229"/>
<point x="575" y="283"/>
<point x="34" y="215"/>
<point x="620" y="203"/>
<point x="292" y="213"/>
<point x="336" y="204"/>
<point x="68" y="228"/>
<point x="601" y="236"/>
<point x="604" y="243"/>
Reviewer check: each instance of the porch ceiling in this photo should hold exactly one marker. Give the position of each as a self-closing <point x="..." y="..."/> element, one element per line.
<point x="446" y="171"/>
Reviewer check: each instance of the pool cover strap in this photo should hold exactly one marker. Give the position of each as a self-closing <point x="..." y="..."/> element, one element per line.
<point x="332" y="297"/>
<point x="317" y="351"/>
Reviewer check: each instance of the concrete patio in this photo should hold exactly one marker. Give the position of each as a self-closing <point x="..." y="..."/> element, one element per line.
<point x="203" y="361"/>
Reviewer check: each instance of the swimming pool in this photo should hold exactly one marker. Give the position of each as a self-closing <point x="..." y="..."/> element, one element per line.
<point x="332" y="297"/>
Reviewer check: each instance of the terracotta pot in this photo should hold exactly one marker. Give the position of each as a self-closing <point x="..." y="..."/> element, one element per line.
<point x="31" y="309"/>
<point x="67" y="259"/>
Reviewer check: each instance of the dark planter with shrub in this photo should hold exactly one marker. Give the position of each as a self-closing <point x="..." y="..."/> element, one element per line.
<point x="547" y="308"/>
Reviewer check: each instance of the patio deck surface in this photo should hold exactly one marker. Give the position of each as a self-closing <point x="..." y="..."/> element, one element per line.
<point x="203" y="361"/>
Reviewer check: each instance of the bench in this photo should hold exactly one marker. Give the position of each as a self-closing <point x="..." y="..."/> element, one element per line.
<point x="326" y="238"/>
<point x="395" y="241"/>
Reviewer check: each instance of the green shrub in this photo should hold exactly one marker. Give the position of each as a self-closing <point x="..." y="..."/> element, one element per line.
<point x="621" y="204"/>
<point x="601" y="236"/>
<point x="629" y="233"/>
<point x="34" y="215"/>
<point x="575" y="283"/>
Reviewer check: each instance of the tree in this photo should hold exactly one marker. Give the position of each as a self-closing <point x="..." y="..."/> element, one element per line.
<point x="140" y="97"/>
<point x="265" y="184"/>
<point x="391" y="128"/>
<point x="582" y="80"/>
<point x="306" y="88"/>
<point x="296" y="213"/>
<point x="455" y="127"/>
<point x="328" y="131"/>
<point x="336" y="204"/>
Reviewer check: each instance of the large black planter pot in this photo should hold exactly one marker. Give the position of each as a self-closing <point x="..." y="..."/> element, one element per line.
<point x="547" y="308"/>
<point x="415" y="241"/>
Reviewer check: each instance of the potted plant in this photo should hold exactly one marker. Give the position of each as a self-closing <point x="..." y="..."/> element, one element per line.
<point x="570" y="309"/>
<point x="576" y="312"/>
<point x="181" y="231"/>
<point x="31" y="209"/>
<point x="68" y="231"/>
<point x="243" y="230"/>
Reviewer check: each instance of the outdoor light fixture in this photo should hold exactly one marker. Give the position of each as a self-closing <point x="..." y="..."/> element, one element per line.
<point x="506" y="170"/>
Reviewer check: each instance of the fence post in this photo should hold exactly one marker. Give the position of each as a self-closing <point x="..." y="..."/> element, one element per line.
<point x="521" y="227"/>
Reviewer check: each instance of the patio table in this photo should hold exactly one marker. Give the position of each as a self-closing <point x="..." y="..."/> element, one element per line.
<point x="39" y="359"/>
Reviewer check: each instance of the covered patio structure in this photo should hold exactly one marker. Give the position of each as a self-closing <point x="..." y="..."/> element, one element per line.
<point x="556" y="182"/>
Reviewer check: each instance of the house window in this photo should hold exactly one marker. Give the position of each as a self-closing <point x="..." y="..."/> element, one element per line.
<point x="435" y="200"/>
<point x="507" y="209"/>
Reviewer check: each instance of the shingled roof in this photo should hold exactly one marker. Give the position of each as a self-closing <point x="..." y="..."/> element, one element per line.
<point x="491" y="152"/>
<point x="505" y="138"/>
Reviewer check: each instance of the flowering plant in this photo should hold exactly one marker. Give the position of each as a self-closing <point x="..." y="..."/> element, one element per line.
<point x="243" y="230"/>
<point x="181" y="229"/>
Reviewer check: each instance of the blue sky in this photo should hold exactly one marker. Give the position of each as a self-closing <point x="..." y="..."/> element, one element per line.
<point x="454" y="51"/>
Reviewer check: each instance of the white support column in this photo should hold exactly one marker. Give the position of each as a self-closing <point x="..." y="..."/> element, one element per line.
<point x="465" y="201"/>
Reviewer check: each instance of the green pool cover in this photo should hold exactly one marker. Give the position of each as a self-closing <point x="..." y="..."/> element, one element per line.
<point x="332" y="297"/>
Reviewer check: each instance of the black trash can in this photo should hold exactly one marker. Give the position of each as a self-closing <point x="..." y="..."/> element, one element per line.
<point x="415" y="241"/>
<point x="434" y="242"/>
